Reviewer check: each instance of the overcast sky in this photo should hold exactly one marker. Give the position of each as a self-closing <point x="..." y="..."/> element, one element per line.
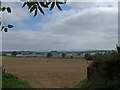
<point x="81" y="25"/>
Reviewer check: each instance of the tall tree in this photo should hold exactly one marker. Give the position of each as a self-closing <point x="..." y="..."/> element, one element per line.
<point x="14" y="53"/>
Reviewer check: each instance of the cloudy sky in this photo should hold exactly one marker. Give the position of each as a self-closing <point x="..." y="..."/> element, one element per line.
<point x="81" y="25"/>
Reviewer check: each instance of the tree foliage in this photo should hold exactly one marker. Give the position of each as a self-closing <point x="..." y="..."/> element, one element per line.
<point x="104" y="72"/>
<point x="71" y="57"/>
<point x="49" y="55"/>
<point x="63" y="55"/>
<point x="5" y="26"/>
<point x="106" y="66"/>
<point x="88" y="56"/>
<point x="38" y="6"/>
<point x="14" y="53"/>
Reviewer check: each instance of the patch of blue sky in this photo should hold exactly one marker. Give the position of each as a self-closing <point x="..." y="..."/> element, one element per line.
<point x="31" y="24"/>
<point x="40" y="18"/>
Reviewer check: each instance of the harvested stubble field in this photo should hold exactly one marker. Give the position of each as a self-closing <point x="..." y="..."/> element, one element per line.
<point x="47" y="72"/>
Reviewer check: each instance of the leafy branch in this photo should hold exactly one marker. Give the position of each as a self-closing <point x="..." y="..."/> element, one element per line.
<point x="35" y="5"/>
<point x="4" y="26"/>
<point x="6" y="8"/>
<point x="38" y="5"/>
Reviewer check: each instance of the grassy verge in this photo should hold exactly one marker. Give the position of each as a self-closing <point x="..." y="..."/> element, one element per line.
<point x="99" y="84"/>
<point x="11" y="81"/>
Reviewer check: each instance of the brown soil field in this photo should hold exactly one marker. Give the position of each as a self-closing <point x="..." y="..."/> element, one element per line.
<point x="47" y="72"/>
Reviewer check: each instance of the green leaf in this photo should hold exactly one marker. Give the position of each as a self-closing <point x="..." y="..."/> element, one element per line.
<point x="29" y="4"/>
<point x="40" y="9"/>
<point x="10" y="26"/>
<point x="43" y="4"/>
<point x="33" y="8"/>
<point x="35" y="12"/>
<point x="2" y="28"/>
<point x="24" y="4"/>
<point x="3" y="8"/>
<point x="58" y="6"/>
<point x="52" y="5"/>
<point x="5" y="29"/>
<point x="8" y="9"/>
<point x="60" y="2"/>
<point x="47" y="3"/>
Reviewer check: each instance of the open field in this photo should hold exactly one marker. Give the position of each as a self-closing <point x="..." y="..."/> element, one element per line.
<point x="47" y="72"/>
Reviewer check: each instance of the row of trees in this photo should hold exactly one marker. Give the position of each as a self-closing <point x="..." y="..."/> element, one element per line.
<point x="50" y="55"/>
<point x="63" y="55"/>
<point x="14" y="53"/>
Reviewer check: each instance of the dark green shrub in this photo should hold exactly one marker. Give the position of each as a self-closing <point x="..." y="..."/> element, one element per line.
<point x="14" y="53"/>
<point x="79" y="54"/>
<point x="71" y="57"/>
<point x="49" y="55"/>
<point x="99" y="83"/>
<point x="88" y="56"/>
<point x="9" y="76"/>
<point x="63" y="55"/>
<point x="106" y="66"/>
<point x="104" y="72"/>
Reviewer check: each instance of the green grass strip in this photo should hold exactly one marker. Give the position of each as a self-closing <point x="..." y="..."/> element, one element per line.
<point x="11" y="81"/>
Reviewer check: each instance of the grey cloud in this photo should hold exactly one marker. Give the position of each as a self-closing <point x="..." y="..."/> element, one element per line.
<point x="89" y="28"/>
<point x="18" y="13"/>
<point x="28" y="40"/>
<point x="90" y="20"/>
<point x="98" y="25"/>
<point x="88" y="4"/>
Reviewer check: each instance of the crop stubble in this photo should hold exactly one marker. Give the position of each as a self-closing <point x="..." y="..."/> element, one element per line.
<point x="47" y="72"/>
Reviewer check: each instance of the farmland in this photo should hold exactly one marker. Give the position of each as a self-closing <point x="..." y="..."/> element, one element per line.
<point x="42" y="72"/>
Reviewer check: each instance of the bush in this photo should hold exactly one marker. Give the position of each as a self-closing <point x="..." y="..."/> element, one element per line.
<point x="99" y="83"/>
<point x="88" y="56"/>
<point x="14" y="53"/>
<point x="79" y="54"/>
<point x="106" y="66"/>
<point x="49" y="55"/>
<point x="71" y="57"/>
<point x="63" y="55"/>
<point x="104" y="72"/>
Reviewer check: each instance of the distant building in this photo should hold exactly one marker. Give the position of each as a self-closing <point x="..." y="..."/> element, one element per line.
<point x="19" y="55"/>
<point x="8" y="54"/>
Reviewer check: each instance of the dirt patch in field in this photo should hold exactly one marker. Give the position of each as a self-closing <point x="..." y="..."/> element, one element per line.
<point x="46" y="72"/>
